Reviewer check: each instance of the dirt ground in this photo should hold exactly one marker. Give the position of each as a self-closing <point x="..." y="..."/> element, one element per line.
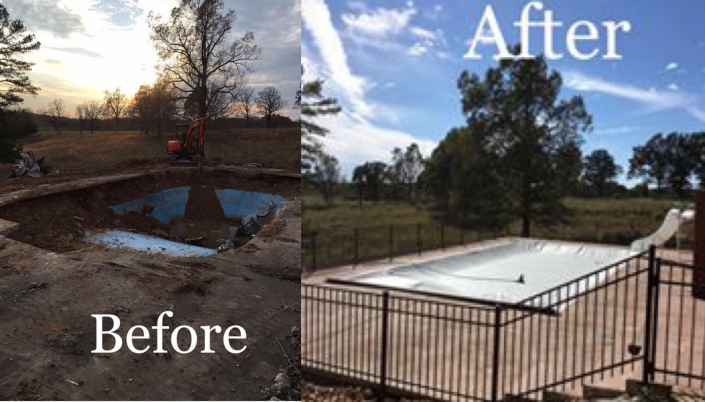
<point x="49" y="288"/>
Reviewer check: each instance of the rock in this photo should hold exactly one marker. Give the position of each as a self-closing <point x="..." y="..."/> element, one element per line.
<point x="27" y="239"/>
<point x="229" y="245"/>
<point x="78" y="225"/>
<point x="295" y="331"/>
<point x="250" y="225"/>
<point x="67" y="237"/>
<point x="147" y="209"/>
<point x="198" y="241"/>
<point x="78" y="218"/>
<point x="159" y="232"/>
<point x="279" y="388"/>
<point x="233" y="232"/>
<point x="2" y="241"/>
<point x="283" y="378"/>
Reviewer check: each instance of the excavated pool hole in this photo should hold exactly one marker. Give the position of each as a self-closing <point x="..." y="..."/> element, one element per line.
<point x="174" y="213"/>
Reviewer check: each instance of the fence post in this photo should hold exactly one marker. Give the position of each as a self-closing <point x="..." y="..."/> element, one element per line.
<point x="651" y="310"/>
<point x="357" y="246"/>
<point x="313" y="251"/>
<point x="390" y="237"/>
<point x="496" y="352"/>
<point x="443" y="240"/>
<point x="418" y="238"/>
<point x="383" y="357"/>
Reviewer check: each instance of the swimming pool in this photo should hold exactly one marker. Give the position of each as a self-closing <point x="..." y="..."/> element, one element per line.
<point x="506" y="271"/>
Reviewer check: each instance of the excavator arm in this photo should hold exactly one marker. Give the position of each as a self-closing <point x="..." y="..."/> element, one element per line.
<point x="183" y="150"/>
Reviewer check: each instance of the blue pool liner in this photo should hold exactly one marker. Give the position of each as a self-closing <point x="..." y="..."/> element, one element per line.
<point x="150" y="244"/>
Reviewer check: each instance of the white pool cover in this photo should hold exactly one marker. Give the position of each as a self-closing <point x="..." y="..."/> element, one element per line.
<point x="509" y="272"/>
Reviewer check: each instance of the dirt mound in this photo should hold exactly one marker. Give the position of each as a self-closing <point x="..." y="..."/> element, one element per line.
<point x="203" y="204"/>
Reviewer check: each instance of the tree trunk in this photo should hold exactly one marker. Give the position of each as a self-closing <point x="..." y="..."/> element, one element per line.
<point x="526" y="209"/>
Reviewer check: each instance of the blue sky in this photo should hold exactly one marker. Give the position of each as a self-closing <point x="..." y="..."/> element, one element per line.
<point x="393" y="65"/>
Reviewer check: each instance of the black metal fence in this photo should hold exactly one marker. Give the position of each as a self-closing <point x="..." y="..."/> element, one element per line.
<point x="345" y="246"/>
<point x="613" y="321"/>
<point x="678" y="335"/>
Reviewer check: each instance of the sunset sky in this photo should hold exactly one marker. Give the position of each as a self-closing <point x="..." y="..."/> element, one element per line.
<point x="394" y="65"/>
<point x="89" y="46"/>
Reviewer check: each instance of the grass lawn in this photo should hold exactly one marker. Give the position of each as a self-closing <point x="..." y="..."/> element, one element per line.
<point x="610" y="221"/>
<point x="106" y="150"/>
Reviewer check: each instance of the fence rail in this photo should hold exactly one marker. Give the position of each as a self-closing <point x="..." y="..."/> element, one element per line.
<point x="346" y="246"/>
<point x="330" y="247"/>
<point x="633" y="318"/>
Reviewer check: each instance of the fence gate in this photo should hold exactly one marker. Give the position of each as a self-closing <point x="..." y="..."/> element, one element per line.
<point x="678" y="331"/>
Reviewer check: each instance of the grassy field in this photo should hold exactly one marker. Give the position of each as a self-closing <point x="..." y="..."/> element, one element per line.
<point x="610" y="221"/>
<point x="106" y="150"/>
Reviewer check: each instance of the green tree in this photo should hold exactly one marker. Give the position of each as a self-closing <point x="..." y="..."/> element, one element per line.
<point x="14" y="123"/>
<point x="406" y="168"/>
<point x="314" y="104"/>
<point x="698" y="147"/>
<point x="326" y="176"/>
<point x="668" y="160"/>
<point x="523" y="126"/>
<point x="465" y="183"/>
<point x="374" y="176"/>
<point x="569" y="167"/>
<point x="648" y="162"/>
<point x="600" y="171"/>
<point x="681" y="162"/>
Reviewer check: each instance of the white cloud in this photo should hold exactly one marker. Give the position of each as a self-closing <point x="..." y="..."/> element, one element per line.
<point x="347" y="134"/>
<point x="653" y="99"/>
<point x="319" y="22"/>
<point x="697" y="112"/>
<point x="425" y="41"/>
<point x="422" y="33"/>
<point x="672" y="66"/>
<point x="355" y="135"/>
<point x="616" y="130"/>
<point x="381" y="23"/>
<point x="673" y="87"/>
<point x="417" y="49"/>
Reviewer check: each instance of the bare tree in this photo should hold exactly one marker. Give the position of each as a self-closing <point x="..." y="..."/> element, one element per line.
<point x="93" y="111"/>
<point x="54" y="114"/>
<point x="244" y="108"/>
<point x="153" y="105"/>
<point x="205" y="68"/>
<point x="164" y="102"/>
<point x="141" y="107"/>
<point x="81" y="116"/>
<point x="269" y="101"/>
<point x="115" y="105"/>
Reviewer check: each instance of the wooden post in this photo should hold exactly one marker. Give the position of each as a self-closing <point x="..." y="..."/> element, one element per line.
<point x="699" y="246"/>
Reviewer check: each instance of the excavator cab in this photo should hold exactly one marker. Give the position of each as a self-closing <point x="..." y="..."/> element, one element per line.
<point x="189" y="145"/>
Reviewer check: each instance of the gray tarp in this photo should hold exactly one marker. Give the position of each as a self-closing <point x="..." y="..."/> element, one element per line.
<point x="496" y="273"/>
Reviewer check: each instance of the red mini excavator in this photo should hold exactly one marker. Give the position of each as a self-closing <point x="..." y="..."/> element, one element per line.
<point x="190" y="144"/>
